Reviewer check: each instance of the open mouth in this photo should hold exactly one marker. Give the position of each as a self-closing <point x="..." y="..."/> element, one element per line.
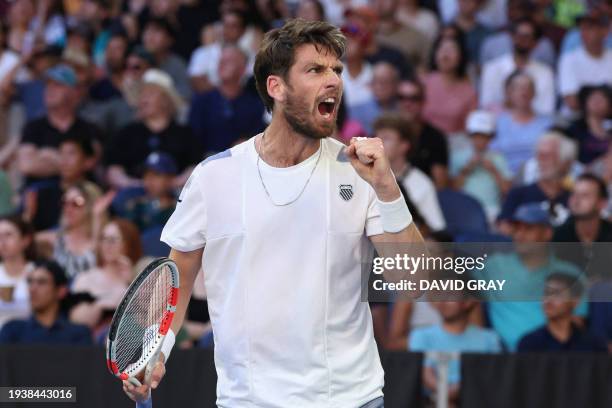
<point x="326" y="107"/>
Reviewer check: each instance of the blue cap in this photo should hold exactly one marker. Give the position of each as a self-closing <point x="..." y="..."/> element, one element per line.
<point x="62" y="74"/>
<point x="532" y="213"/>
<point x="161" y="162"/>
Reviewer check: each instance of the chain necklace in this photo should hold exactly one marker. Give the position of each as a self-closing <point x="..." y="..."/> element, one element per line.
<point x="261" y="146"/>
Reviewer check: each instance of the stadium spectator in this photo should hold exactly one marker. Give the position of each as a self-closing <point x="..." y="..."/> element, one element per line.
<point x="590" y="64"/>
<point x="449" y="93"/>
<point x="398" y="139"/>
<point x="357" y="73"/>
<point x="519" y="127"/>
<point x="562" y="294"/>
<point x="158" y="37"/>
<point x="515" y="310"/>
<point x="115" y="55"/>
<point x="474" y="31"/>
<point x="310" y="10"/>
<point x="38" y="156"/>
<point x="478" y="171"/>
<point x="454" y="334"/>
<point x="72" y="245"/>
<point x="157" y="130"/>
<point x="500" y="43"/>
<point x="118" y="250"/>
<point x="602" y="168"/>
<point x="600" y="311"/>
<point x="549" y="192"/>
<point x="204" y="62"/>
<point x="384" y="83"/>
<point x="411" y="13"/>
<point x="585" y="225"/>
<point x="552" y="149"/>
<point x="431" y="149"/>
<point x="42" y="202"/>
<point x="347" y="128"/>
<point x="47" y="287"/>
<point x="495" y="73"/>
<point x="156" y="206"/>
<point x="593" y="129"/>
<point x="18" y="253"/>
<point x="223" y="116"/>
<point x="391" y="43"/>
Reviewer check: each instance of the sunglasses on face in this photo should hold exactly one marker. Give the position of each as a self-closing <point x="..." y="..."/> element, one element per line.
<point x="77" y="202"/>
<point x="39" y="281"/>
<point x="410" y="97"/>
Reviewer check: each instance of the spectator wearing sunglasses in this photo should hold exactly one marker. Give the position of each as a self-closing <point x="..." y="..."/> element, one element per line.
<point x="47" y="287"/>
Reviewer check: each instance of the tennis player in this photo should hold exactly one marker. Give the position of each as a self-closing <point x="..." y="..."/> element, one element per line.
<point x="277" y="223"/>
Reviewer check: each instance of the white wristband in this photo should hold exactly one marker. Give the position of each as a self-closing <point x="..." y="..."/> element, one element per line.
<point x="394" y="215"/>
<point x="166" y="347"/>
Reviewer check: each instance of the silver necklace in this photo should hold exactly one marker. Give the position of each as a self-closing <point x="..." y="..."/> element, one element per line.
<point x="261" y="145"/>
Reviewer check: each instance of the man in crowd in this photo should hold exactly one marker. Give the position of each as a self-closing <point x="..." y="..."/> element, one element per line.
<point x="48" y="286"/>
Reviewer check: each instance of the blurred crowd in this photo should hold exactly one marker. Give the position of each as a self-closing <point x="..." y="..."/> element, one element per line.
<point x="496" y="116"/>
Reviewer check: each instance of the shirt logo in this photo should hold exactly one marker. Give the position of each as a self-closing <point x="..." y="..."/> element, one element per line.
<point x="346" y="191"/>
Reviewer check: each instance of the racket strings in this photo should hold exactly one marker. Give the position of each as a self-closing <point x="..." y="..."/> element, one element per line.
<point x="138" y="331"/>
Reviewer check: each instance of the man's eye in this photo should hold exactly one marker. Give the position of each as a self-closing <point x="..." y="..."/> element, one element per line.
<point x="313" y="69"/>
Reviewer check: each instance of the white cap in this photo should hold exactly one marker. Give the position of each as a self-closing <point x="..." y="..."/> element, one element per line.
<point x="161" y="79"/>
<point x="480" y="121"/>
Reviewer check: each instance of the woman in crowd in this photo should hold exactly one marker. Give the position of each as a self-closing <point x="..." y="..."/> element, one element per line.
<point x="518" y="126"/>
<point x="593" y="129"/>
<point x="17" y="253"/>
<point x="450" y="95"/>
<point x="118" y="251"/>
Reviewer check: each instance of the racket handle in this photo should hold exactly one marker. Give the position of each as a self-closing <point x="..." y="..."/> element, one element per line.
<point x="150" y="366"/>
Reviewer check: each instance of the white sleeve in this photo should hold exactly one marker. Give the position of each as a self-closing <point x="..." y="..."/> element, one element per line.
<point x="488" y="87"/>
<point x="430" y="209"/>
<point x="186" y="229"/>
<point x="373" y="224"/>
<point x="546" y="99"/>
<point x="197" y="63"/>
<point x="567" y="78"/>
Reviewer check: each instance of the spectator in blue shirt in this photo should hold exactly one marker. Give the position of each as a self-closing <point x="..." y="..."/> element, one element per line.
<point x="47" y="286"/>
<point x="454" y="334"/>
<point x="561" y="296"/>
<point x="229" y="113"/>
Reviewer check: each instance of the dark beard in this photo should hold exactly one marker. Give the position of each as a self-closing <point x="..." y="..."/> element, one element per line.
<point x="297" y="114"/>
<point x="522" y="51"/>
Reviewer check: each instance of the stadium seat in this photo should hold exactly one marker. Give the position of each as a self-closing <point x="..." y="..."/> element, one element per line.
<point x="462" y="213"/>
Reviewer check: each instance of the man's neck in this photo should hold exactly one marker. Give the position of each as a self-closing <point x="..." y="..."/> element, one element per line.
<point x="355" y="66"/>
<point x="399" y="167"/>
<point x="587" y="229"/>
<point x="61" y="118"/>
<point x="521" y="60"/>
<point x="561" y="328"/>
<point x="157" y="123"/>
<point x="551" y="187"/>
<point x="230" y="89"/>
<point x="48" y="316"/>
<point x="535" y="260"/>
<point x="456" y="326"/>
<point x="282" y="146"/>
<point x="465" y="22"/>
<point x="595" y="52"/>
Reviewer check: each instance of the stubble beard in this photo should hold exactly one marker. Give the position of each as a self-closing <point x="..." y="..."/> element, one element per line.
<point x="297" y="113"/>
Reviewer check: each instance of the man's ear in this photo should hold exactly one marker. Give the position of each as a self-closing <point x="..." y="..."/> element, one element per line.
<point x="275" y="86"/>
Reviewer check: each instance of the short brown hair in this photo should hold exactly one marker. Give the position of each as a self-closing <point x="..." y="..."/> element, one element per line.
<point x="398" y="123"/>
<point x="277" y="52"/>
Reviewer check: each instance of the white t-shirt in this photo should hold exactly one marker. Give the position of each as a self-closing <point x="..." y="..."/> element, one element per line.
<point x="204" y="61"/>
<point x="19" y="308"/>
<point x="283" y="283"/>
<point x="422" y="193"/>
<point x="358" y="90"/>
<point x="495" y="73"/>
<point x="578" y="68"/>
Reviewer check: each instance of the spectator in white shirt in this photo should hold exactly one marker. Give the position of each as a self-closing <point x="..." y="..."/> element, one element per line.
<point x="357" y="75"/>
<point x="525" y="35"/>
<point x="398" y="137"/>
<point x="590" y="64"/>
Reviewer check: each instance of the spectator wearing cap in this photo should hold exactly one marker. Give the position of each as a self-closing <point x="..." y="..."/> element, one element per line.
<point x="156" y="206"/>
<point x="590" y="64"/>
<point x="398" y="138"/>
<point x="47" y="287"/>
<point x="478" y="171"/>
<point x="204" y="62"/>
<point x="586" y="225"/>
<point x="525" y="34"/>
<point x="158" y="37"/>
<point x="157" y="130"/>
<point x="562" y="294"/>
<point x="38" y="156"/>
<point x="431" y="148"/>
<point x="229" y="113"/>
<point x="515" y="310"/>
<point x="593" y="129"/>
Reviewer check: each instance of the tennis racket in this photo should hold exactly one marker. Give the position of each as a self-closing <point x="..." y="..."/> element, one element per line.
<point x="142" y="320"/>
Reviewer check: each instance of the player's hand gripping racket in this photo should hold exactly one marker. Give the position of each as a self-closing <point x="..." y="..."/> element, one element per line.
<point x="142" y="320"/>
